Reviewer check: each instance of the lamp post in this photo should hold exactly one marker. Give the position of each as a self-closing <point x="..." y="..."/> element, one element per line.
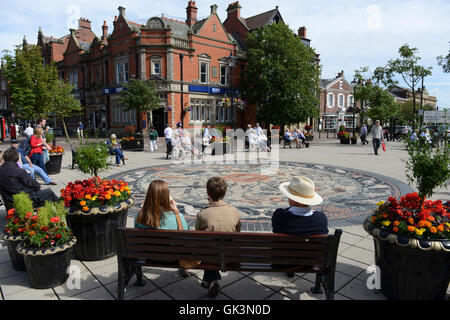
<point x="232" y="60"/>
<point x="354" y="85"/>
<point x="182" y="90"/>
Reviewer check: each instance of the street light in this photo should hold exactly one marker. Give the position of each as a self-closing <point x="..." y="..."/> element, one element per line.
<point x="353" y="108"/>
<point x="182" y="90"/>
<point x="232" y="61"/>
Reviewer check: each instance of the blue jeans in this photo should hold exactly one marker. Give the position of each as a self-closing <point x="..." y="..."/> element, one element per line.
<point x="118" y="153"/>
<point x="37" y="170"/>
<point x="38" y="160"/>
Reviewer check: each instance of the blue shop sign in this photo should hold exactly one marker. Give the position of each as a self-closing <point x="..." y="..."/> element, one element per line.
<point x="117" y="90"/>
<point x="212" y="90"/>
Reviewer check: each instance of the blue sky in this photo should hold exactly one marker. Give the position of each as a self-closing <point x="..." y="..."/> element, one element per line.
<point x="348" y="34"/>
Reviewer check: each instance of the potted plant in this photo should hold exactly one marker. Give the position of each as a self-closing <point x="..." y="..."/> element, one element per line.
<point x="344" y="137"/>
<point x="412" y="235"/>
<point x="96" y="207"/>
<point x="15" y="228"/>
<point x="132" y="141"/>
<point x="47" y="246"/>
<point x="354" y="139"/>
<point x="54" y="165"/>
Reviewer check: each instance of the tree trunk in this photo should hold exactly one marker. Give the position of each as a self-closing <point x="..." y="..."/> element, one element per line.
<point x="139" y="120"/>
<point x="65" y="130"/>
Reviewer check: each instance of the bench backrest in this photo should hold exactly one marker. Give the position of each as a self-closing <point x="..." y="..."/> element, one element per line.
<point x="228" y="251"/>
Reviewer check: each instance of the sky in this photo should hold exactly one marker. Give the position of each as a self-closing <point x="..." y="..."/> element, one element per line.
<point x="348" y="34"/>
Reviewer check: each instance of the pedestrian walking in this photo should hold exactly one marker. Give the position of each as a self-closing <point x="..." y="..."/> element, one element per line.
<point x="363" y="135"/>
<point x="29" y="131"/>
<point x="377" y="136"/>
<point x="80" y="130"/>
<point x="153" y="139"/>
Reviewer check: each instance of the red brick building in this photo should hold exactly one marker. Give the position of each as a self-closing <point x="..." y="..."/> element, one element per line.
<point x="337" y="95"/>
<point x="156" y="51"/>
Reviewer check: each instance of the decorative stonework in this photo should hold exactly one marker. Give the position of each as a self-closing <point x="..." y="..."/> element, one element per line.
<point x="103" y="210"/>
<point x="155" y="24"/>
<point x="45" y="251"/>
<point x="7" y="237"/>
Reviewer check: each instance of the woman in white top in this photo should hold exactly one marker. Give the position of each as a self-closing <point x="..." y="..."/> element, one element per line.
<point x="253" y="140"/>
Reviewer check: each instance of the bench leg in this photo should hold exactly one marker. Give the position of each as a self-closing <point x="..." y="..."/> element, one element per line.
<point x="140" y="282"/>
<point x="317" y="288"/>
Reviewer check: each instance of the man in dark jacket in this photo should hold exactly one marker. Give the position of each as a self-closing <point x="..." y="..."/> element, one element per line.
<point x="14" y="180"/>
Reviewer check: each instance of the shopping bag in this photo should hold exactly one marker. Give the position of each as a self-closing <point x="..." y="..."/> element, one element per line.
<point x="383" y="145"/>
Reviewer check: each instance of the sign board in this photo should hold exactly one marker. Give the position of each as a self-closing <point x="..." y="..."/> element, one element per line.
<point x="117" y="90"/>
<point x="436" y="117"/>
<point x="212" y="90"/>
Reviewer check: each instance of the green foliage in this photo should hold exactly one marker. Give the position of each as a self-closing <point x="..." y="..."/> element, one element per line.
<point x="427" y="168"/>
<point x="50" y="210"/>
<point x="281" y="76"/>
<point x="49" y="137"/>
<point x="139" y="95"/>
<point x="31" y="83"/>
<point x="382" y="105"/>
<point x="92" y="158"/>
<point x="23" y="204"/>
<point x="444" y="62"/>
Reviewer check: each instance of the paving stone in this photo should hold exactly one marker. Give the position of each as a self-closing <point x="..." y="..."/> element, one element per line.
<point x="186" y="289"/>
<point x="7" y="270"/>
<point x="132" y="291"/>
<point x="274" y="280"/>
<point x="15" y="283"/>
<point x="342" y="247"/>
<point x="162" y="277"/>
<point x="301" y="290"/>
<point x="105" y="274"/>
<point x="357" y="230"/>
<point x="350" y="238"/>
<point x="360" y="255"/>
<point x="227" y="277"/>
<point x="366" y="244"/>
<point x="96" y="294"/>
<point x="155" y="295"/>
<point x="357" y="290"/>
<point x="349" y="267"/>
<point x="102" y="263"/>
<point x="241" y="290"/>
<point x="33" y="294"/>
<point x="278" y="296"/>
<point x="69" y="289"/>
<point x="4" y="256"/>
<point x="340" y="279"/>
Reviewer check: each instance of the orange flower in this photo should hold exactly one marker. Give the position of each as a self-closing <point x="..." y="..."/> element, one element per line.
<point x="428" y="224"/>
<point x="431" y="218"/>
<point x="411" y="228"/>
<point x="440" y="228"/>
<point x="411" y="220"/>
<point x="396" y="223"/>
<point x="85" y="209"/>
<point x="433" y="230"/>
<point x="82" y="203"/>
<point x="385" y="215"/>
<point x="88" y="196"/>
<point x="108" y="197"/>
<point x="395" y="229"/>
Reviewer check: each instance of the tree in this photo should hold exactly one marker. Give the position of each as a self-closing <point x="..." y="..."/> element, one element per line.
<point x="445" y="62"/>
<point x="30" y="82"/>
<point x="382" y="105"/>
<point x="408" y="68"/>
<point x="406" y="110"/>
<point x="139" y="95"/>
<point x="281" y="76"/>
<point x="63" y="103"/>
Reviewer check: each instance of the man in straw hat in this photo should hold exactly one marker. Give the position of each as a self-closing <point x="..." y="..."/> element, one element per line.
<point x="300" y="219"/>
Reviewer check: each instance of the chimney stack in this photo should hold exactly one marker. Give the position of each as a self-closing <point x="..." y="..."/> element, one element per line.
<point x="302" y="32"/>
<point x="214" y="9"/>
<point x="122" y="11"/>
<point x="105" y="32"/>
<point x="341" y="74"/>
<point x="84" y="23"/>
<point x="191" y="13"/>
<point x="234" y="10"/>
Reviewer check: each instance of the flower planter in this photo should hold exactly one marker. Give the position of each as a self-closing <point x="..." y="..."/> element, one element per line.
<point x="47" y="267"/>
<point x="54" y="165"/>
<point x="16" y="259"/>
<point x="95" y="230"/>
<point x="345" y="141"/>
<point x="136" y="145"/>
<point x="354" y="141"/>
<point x="222" y="148"/>
<point x="411" y="269"/>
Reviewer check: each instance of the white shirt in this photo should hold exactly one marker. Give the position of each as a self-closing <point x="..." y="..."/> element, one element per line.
<point x="301" y="212"/>
<point x="258" y="130"/>
<point x="168" y="132"/>
<point x="29" y="131"/>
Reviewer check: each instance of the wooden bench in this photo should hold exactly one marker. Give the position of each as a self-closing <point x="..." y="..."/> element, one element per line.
<point x="252" y="252"/>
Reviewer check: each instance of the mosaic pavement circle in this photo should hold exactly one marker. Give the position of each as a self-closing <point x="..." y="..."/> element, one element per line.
<point x="349" y="195"/>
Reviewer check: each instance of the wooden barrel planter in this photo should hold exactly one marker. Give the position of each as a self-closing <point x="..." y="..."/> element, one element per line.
<point x="345" y="141"/>
<point x="47" y="268"/>
<point x="54" y="165"/>
<point x="16" y="259"/>
<point x="95" y="230"/>
<point x="411" y="269"/>
<point x="222" y="148"/>
<point x="133" y="145"/>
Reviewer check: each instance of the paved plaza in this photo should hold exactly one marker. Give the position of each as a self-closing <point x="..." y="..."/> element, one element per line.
<point x="350" y="178"/>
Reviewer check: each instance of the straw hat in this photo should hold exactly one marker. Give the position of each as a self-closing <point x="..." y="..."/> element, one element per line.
<point x="301" y="190"/>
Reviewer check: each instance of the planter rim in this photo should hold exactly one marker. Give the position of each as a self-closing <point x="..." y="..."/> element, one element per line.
<point x="56" y="154"/>
<point x="21" y="249"/>
<point x="104" y="210"/>
<point x="403" y="241"/>
<point x="7" y="237"/>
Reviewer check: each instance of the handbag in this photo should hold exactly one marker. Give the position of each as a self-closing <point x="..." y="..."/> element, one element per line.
<point x="185" y="264"/>
<point x="383" y="145"/>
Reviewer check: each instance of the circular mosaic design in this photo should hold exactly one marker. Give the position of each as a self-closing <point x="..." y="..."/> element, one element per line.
<point x="348" y="195"/>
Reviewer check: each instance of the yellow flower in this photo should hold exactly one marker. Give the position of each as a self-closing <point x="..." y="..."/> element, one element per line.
<point x="420" y="232"/>
<point x="117" y="194"/>
<point x="88" y="197"/>
<point x="83" y="203"/>
<point x="386" y="223"/>
<point x="380" y="203"/>
<point x="94" y="198"/>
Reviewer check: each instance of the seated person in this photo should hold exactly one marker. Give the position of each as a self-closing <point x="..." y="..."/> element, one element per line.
<point x="14" y="180"/>
<point x="300" y="219"/>
<point x="262" y="142"/>
<point x="160" y="211"/>
<point x="220" y="217"/>
<point x="187" y="143"/>
<point x="177" y="148"/>
<point x="289" y="136"/>
<point x="301" y="137"/>
<point x="115" y="149"/>
<point x="253" y="140"/>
